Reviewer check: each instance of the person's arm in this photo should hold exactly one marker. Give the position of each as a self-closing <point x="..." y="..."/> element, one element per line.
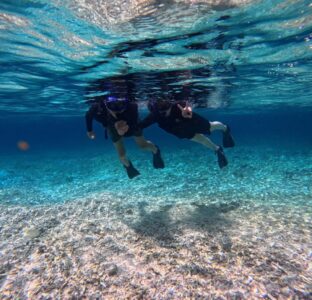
<point x="147" y="121"/>
<point x="89" y="122"/>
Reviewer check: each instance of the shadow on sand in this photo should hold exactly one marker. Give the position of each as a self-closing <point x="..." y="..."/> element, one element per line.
<point x="167" y="223"/>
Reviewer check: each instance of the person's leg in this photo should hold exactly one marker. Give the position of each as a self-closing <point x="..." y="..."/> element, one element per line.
<point x="141" y="141"/>
<point x="131" y="170"/>
<point x="121" y="151"/>
<point x="216" y="125"/>
<point x="144" y="144"/>
<point x="228" y="140"/>
<point x="205" y="141"/>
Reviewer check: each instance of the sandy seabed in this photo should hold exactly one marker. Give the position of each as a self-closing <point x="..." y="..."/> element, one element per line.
<point x="101" y="247"/>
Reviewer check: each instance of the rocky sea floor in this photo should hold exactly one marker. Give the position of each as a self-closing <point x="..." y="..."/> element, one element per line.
<point x="190" y="231"/>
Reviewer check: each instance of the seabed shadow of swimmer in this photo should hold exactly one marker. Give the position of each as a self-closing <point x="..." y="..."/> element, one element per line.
<point x="154" y="224"/>
<point x="159" y="225"/>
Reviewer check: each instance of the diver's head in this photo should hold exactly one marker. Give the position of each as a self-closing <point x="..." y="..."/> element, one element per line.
<point x="117" y="105"/>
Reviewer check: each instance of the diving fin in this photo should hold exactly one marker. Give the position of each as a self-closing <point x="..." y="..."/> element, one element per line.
<point x="228" y="140"/>
<point x="158" y="162"/>
<point x="222" y="161"/>
<point x="131" y="171"/>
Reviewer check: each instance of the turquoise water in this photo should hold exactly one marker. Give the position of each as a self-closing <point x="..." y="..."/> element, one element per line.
<point x="73" y="226"/>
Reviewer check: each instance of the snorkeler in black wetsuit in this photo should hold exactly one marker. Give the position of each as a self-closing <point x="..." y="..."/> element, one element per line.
<point x="120" y="117"/>
<point x="123" y="122"/>
<point x="177" y="118"/>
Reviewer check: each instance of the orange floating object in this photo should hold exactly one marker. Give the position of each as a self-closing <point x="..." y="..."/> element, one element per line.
<point x="23" y="145"/>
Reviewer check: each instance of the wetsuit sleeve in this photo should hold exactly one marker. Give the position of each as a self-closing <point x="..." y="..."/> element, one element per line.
<point x="89" y="119"/>
<point x="147" y="121"/>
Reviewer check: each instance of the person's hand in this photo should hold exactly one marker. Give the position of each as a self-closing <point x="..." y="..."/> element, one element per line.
<point x="122" y="127"/>
<point x="186" y="111"/>
<point x="91" y="135"/>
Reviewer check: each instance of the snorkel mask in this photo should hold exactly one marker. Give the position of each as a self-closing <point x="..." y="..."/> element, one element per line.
<point x="116" y="104"/>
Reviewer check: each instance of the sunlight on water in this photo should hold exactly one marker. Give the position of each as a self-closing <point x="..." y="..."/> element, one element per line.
<point x="52" y="51"/>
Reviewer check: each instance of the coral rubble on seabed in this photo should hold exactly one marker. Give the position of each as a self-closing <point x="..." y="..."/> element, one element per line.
<point x="104" y="248"/>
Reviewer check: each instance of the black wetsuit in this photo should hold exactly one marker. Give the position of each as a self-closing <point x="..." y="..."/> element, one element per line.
<point x="98" y="112"/>
<point x="176" y="124"/>
<point x="131" y="116"/>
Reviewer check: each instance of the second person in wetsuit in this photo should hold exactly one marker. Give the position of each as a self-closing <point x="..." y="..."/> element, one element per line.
<point x="177" y="118"/>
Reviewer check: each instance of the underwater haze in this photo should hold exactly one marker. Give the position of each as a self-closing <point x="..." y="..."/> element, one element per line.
<point x="73" y="226"/>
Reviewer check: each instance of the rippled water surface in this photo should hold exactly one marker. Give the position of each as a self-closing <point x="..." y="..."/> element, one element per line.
<point x="240" y="55"/>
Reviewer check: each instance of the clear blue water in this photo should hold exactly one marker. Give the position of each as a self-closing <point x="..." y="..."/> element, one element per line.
<point x="245" y="63"/>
